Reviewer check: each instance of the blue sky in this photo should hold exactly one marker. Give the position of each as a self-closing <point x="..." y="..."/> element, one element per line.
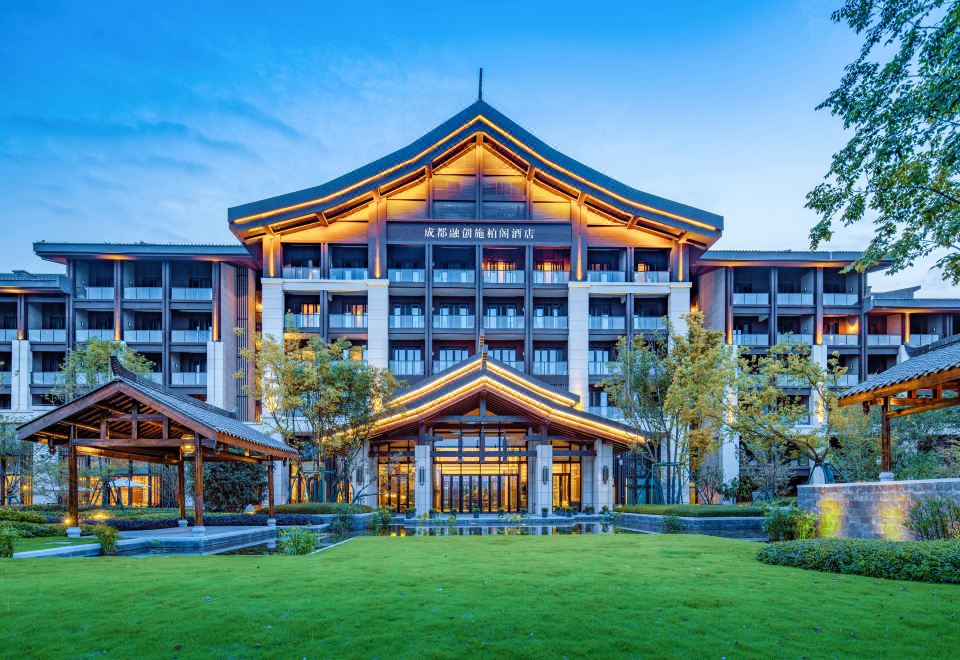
<point x="125" y="121"/>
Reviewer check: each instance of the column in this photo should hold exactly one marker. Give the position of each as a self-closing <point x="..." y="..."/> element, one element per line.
<point x="603" y="475"/>
<point x="271" y="514"/>
<point x="272" y="311"/>
<point x="587" y="467"/>
<point x="578" y="340"/>
<point x="198" y="487"/>
<point x="819" y="354"/>
<point x="678" y="304"/>
<point x="729" y="458"/>
<point x="73" y="491"/>
<point x="20" y="368"/>
<point x="423" y="491"/>
<point x="216" y="373"/>
<point x="532" y="476"/>
<point x="378" y="311"/>
<point x="544" y="478"/>
<point x="181" y="494"/>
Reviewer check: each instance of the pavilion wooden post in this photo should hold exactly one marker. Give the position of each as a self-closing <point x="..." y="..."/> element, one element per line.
<point x="270" y="509"/>
<point x="182" y="490"/>
<point x="73" y="487"/>
<point x="886" y="462"/>
<point x="198" y="485"/>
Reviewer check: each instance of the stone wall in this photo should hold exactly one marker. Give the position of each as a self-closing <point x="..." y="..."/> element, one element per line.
<point x="872" y="510"/>
<point x="733" y="527"/>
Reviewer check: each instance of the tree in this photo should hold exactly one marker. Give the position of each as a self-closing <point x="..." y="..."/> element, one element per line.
<point x="231" y="486"/>
<point x="316" y="395"/>
<point x="88" y="366"/>
<point x="901" y="166"/>
<point x="14" y="463"/>
<point x="673" y="400"/>
<point x="925" y="445"/>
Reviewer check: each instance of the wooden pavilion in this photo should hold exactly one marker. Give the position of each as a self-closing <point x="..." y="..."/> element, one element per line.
<point x="133" y="418"/>
<point x="928" y="380"/>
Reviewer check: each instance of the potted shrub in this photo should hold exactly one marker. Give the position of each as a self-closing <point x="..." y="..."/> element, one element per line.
<point x="588" y="510"/>
<point x="500" y="512"/>
<point x="433" y="514"/>
<point x="476" y="511"/>
<point x="410" y="513"/>
<point x="544" y="511"/>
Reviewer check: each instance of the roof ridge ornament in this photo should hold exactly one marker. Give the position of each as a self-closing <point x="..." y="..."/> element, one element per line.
<point x="480" y="86"/>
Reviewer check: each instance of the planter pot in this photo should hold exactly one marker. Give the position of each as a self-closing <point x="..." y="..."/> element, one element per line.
<point x="476" y="515"/>
<point x="544" y="513"/>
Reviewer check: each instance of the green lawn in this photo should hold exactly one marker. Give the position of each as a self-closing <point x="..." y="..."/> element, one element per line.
<point x="539" y="597"/>
<point x="45" y="542"/>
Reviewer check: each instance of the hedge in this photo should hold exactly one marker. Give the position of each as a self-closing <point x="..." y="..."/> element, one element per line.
<point x="322" y="508"/>
<point x="692" y="510"/>
<point x="33" y="530"/>
<point x="920" y="561"/>
<point x="12" y="515"/>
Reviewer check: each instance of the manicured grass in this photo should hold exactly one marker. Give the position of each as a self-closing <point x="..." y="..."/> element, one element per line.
<point x="693" y="510"/>
<point x="47" y="542"/>
<point x="601" y="596"/>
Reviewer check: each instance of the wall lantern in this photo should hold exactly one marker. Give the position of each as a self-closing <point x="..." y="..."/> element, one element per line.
<point x="546" y="474"/>
<point x="359" y="475"/>
<point x="606" y="473"/>
<point x="422" y="476"/>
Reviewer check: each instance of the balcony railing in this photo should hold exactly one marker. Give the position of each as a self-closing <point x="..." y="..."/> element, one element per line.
<point x="513" y="364"/>
<point x="922" y="340"/>
<point x="95" y="292"/>
<point x="503" y="277"/>
<point x="651" y="276"/>
<point x="551" y="276"/>
<point x="8" y="334"/>
<point x="301" y="272"/>
<point x="610" y="412"/>
<point x="143" y="336"/>
<point x="751" y="299"/>
<point x="751" y="339"/>
<point x="598" y="368"/>
<point x="406" y="275"/>
<point x="86" y="334"/>
<point x="794" y="298"/>
<point x="649" y="323"/>
<point x="155" y="376"/>
<point x="791" y="381"/>
<point x="5" y="377"/>
<point x="841" y="340"/>
<point x="348" y="273"/>
<point x="608" y="322"/>
<point x="442" y="365"/>
<point x="606" y="276"/>
<point x="848" y="380"/>
<point x="47" y="335"/>
<point x="550" y="368"/>
<point x="142" y="293"/>
<point x="407" y="321"/>
<point x="406" y="367"/>
<point x="550" y="322"/>
<point x="453" y="321"/>
<point x="883" y="340"/>
<point x="307" y="320"/>
<point x="845" y="299"/>
<point x="46" y="378"/>
<point x="794" y="338"/>
<point x="188" y="378"/>
<point x="503" y="322"/>
<point x="190" y="336"/>
<point x="348" y="321"/>
<point x="454" y="276"/>
<point x="187" y="293"/>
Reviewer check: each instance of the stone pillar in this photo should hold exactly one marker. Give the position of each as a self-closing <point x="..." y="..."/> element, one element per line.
<point x="363" y="477"/>
<point x="532" y="476"/>
<point x="587" y="467"/>
<point x="378" y="311"/>
<point x="20" y="367"/>
<point x="603" y="465"/>
<point x="544" y="490"/>
<point x="819" y="354"/>
<point x="272" y="311"/>
<point x="216" y="374"/>
<point x="578" y="340"/>
<point x="678" y="304"/>
<point x="423" y="474"/>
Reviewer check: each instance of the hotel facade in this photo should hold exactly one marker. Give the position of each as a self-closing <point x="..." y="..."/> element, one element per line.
<point x="492" y="274"/>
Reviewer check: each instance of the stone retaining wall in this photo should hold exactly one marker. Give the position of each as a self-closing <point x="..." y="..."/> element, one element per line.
<point x="732" y="527"/>
<point x="871" y="510"/>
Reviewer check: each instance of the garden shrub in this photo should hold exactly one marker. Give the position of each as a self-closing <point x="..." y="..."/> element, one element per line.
<point x="787" y="523"/>
<point x="297" y="541"/>
<point x="932" y="518"/>
<point x="341" y="524"/>
<point x="674" y="525"/>
<point x="692" y="510"/>
<point x="108" y="537"/>
<point x="322" y="508"/>
<point x="33" y="530"/>
<point x="8" y="540"/>
<point x="382" y="517"/>
<point x="13" y="515"/>
<point x="921" y="561"/>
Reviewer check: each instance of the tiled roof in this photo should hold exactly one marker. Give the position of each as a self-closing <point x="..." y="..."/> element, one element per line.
<point x="782" y="255"/>
<point x="934" y="358"/>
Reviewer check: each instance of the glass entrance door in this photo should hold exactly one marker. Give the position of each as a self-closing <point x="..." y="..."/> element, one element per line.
<point x="460" y="493"/>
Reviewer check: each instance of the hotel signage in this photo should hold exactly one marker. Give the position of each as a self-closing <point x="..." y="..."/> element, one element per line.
<point x="478" y="233"/>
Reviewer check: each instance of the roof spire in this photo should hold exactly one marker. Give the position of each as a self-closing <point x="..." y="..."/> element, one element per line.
<point x="480" y="86"/>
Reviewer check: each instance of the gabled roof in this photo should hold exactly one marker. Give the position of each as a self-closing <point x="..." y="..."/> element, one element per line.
<point x="479" y="117"/>
<point x="60" y="252"/>
<point x="827" y="258"/>
<point x="20" y="281"/>
<point x="482" y="374"/>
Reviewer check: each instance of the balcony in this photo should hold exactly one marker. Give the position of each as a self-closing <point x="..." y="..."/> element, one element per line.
<point x="103" y="334"/>
<point x="598" y="368"/>
<point x="406" y="275"/>
<point x="406" y="367"/>
<point x="610" y="412"/>
<point x="348" y="321"/>
<point x="513" y="364"/>
<point x="794" y="299"/>
<point x="143" y="336"/>
<point x="848" y="380"/>
<point x="443" y="365"/>
<point x="503" y="322"/>
<point x="48" y="335"/>
<point x="46" y="378"/>
<point x="550" y="368"/>
<point x="652" y="276"/>
<point x="307" y="320"/>
<point x="454" y="276"/>
<point x="9" y="334"/>
<point x="751" y="299"/>
<point x="190" y="336"/>
<point x="751" y="339"/>
<point x="194" y="378"/>
<point x="842" y="299"/>
<point x="407" y="321"/>
<point x="551" y="276"/>
<point x="606" y="276"/>
<point x="795" y="338"/>
<point x="550" y="322"/>
<point x="503" y="277"/>
<point x="95" y="293"/>
<point x="301" y="272"/>
<point x="348" y="273"/>
<point x="142" y="293"/>
<point x="608" y="322"/>
<point x="5" y="377"/>
<point x="841" y="340"/>
<point x="649" y="323"/>
<point x="922" y="340"/>
<point x="155" y="376"/>
<point x="791" y="381"/>
<point x="883" y="340"/>
<point x="453" y="321"/>
<point x="191" y="294"/>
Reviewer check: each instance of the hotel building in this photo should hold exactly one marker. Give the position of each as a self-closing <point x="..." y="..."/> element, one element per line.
<point x="490" y="272"/>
